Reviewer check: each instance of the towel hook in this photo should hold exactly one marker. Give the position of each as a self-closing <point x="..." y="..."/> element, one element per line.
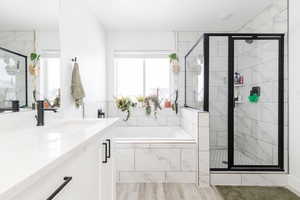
<point x="74" y="59"/>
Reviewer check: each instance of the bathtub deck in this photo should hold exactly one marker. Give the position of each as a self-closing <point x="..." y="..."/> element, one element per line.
<point x="165" y="191"/>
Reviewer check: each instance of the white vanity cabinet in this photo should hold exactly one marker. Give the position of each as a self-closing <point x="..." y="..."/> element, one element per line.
<point x="82" y="166"/>
<point x="107" y="176"/>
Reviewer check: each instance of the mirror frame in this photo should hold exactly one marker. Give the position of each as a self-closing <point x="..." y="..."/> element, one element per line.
<point x="26" y="73"/>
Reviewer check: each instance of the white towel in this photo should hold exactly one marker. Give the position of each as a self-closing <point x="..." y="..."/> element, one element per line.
<point x="77" y="90"/>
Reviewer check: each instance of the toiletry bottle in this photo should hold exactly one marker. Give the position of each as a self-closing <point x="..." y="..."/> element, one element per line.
<point x="235" y="77"/>
<point x="242" y="80"/>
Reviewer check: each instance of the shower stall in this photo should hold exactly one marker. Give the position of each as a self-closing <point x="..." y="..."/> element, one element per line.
<point x="239" y="78"/>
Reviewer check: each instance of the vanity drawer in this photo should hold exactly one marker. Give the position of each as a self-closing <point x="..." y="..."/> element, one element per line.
<point x="74" y="179"/>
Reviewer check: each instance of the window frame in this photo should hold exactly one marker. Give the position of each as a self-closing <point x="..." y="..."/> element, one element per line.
<point x="44" y="70"/>
<point x="144" y="75"/>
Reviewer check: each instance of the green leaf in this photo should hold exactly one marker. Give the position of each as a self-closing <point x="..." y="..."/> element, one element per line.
<point x="173" y="56"/>
<point x="33" y="56"/>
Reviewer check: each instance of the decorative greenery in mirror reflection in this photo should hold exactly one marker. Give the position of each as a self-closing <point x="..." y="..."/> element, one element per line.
<point x="34" y="71"/>
<point x="173" y="57"/>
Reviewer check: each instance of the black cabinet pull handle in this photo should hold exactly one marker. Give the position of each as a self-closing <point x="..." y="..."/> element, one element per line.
<point x="105" y="157"/>
<point x="109" y="148"/>
<point x="67" y="179"/>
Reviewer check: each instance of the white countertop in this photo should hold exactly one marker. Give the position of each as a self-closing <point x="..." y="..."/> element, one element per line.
<point x="27" y="155"/>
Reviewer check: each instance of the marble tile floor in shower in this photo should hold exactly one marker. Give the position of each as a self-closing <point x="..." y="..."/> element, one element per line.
<point x="218" y="158"/>
<point x="165" y="191"/>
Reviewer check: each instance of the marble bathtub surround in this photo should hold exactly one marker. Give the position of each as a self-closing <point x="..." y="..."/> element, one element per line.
<point x="151" y="163"/>
<point x="171" y="159"/>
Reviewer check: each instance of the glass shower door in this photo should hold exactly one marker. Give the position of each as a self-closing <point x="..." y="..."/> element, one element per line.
<point x="256" y="106"/>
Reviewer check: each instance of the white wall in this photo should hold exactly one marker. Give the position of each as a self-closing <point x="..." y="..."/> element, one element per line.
<point x="82" y="36"/>
<point x="294" y="98"/>
<point x="47" y="41"/>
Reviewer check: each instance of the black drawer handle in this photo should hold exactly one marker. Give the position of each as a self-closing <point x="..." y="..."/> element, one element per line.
<point x="67" y="179"/>
<point x="109" y="147"/>
<point x="105" y="157"/>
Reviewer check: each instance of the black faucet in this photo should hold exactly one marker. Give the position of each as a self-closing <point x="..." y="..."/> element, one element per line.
<point x="15" y="107"/>
<point x="40" y="112"/>
<point x="101" y="114"/>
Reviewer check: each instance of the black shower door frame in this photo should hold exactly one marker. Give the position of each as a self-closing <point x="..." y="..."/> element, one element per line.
<point x="231" y="39"/>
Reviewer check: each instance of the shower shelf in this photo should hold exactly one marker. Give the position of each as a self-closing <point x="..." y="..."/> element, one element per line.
<point x="238" y="85"/>
<point x="239" y="102"/>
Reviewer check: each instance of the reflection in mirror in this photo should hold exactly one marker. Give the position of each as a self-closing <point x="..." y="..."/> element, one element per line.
<point x="50" y="78"/>
<point x="13" y="79"/>
<point x="195" y="77"/>
<point x="25" y="77"/>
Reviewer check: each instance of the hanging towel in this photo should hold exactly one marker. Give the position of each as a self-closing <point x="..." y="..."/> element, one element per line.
<point x="77" y="90"/>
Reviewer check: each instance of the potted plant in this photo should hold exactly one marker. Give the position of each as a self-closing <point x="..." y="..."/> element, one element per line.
<point x="152" y="101"/>
<point x="125" y="105"/>
<point x="34" y="71"/>
<point x="174" y="61"/>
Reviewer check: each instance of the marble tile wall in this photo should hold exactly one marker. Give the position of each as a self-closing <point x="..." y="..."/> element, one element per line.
<point x="180" y="162"/>
<point x="257" y="124"/>
<point x="218" y="89"/>
<point x="250" y="179"/>
<point x="138" y="117"/>
<point x="153" y="163"/>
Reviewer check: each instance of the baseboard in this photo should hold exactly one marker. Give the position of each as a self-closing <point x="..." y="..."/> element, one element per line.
<point x="294" y="184"/>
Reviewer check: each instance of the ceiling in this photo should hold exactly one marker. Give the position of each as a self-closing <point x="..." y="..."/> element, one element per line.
<point x="29" y="14"/>
<point x="172" y="15"/>
<point x="137" y="15"/>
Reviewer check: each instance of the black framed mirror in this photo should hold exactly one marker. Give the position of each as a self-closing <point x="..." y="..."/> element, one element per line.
<point x="13" y="79"/>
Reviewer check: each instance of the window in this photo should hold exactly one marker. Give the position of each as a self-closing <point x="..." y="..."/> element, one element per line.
<point x="50" y="77"/>
<point x="142" y="77"/>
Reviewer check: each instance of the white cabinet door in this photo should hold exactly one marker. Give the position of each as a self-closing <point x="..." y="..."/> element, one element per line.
<point x="82" y="166"/>
<point x="107" y="178"/>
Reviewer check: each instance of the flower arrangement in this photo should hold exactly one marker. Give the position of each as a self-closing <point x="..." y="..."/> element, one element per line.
<point x="149" y="102"/>
<point x="125" y="104"/>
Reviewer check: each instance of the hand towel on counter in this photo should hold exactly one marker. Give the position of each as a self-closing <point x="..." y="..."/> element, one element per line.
<point x="77" y="90"/>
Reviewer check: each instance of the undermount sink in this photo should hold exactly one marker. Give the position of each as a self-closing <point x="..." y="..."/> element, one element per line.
<point x="73" y="126"/>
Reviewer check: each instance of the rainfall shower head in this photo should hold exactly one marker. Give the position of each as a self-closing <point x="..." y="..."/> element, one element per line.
<point x="249" y="41"/>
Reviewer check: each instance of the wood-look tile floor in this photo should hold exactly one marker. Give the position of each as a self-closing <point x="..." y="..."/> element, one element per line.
<point x="165" y="191"/>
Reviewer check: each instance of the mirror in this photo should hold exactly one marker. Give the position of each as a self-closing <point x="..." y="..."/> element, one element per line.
<point x="194" y="70"/>
<point x="13" y="79"/>
<point x="29" y="68"/>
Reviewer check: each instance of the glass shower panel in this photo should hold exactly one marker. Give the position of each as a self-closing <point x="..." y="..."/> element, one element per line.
<point x="195" y="77"/>
<point x="256" y="102"/>
<point x="218" y="101"/>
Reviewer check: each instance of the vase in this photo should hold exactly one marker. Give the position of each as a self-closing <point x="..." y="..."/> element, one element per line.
<point x="175" y="66"/>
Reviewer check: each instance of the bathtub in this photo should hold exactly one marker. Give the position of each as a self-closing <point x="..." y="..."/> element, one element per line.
<point x="154" y="155"/>
<point x="151" y="135"/>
